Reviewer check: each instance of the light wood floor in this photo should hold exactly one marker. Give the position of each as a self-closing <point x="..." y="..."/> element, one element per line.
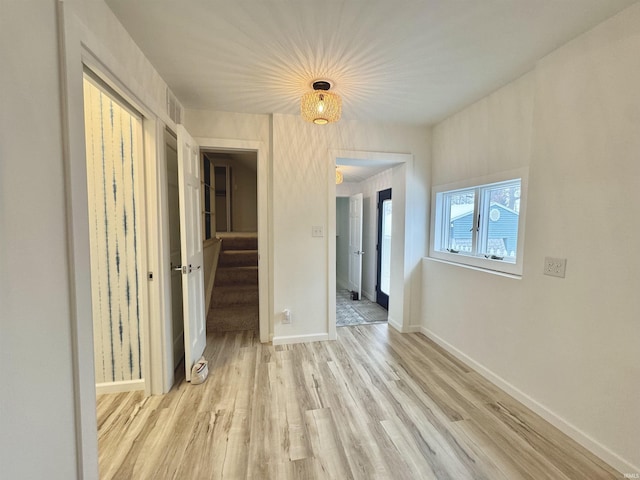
<point x="373" y="405"/>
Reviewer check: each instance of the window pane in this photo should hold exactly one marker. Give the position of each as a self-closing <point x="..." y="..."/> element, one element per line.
<point x="502" y="205"/>
<point x="459" y="218"/>
<point x="385" y="266"/>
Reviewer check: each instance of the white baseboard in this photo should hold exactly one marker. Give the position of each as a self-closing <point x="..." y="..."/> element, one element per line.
<point x="561" y="424"/>
<point x="401" y="328"/>
<point x="316" y="337"/>
<point x="117" y="387"/>
<point x="392" y="322"/>
<point x="369" y="296"/>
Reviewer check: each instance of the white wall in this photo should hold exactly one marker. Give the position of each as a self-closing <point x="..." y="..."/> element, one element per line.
<point x="230" y="126"/>
<point x="569" y="347"/>
<point x="37" y="422"/>
<point x="244" y="192"/>
<point x="39" y="442"/>
<point x="235" y="126"/>
<point x="299" y="163"/>
<point x="244" y="199"/>
<point x="302" y="167"/>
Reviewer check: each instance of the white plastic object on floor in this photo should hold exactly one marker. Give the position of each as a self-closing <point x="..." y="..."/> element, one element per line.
<point x="199" y="371"/>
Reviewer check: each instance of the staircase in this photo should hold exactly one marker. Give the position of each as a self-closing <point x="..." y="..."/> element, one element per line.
<point x="234" y="300"/>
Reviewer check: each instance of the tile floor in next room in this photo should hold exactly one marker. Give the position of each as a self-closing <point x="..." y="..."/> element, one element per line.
<point x="357" y="312"/>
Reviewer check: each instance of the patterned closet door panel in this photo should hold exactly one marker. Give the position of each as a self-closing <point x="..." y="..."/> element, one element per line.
<point x="114" y="149"/>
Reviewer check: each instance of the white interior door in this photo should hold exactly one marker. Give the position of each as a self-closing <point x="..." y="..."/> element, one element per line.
<point x="192" y="255"/>
<point x="355" y="244"/>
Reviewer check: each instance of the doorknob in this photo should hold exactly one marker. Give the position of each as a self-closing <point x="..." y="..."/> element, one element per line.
<point x="176" y="268"/>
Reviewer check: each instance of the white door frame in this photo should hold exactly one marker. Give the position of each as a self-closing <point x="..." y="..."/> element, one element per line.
<point x="400" y="295"/>
<point x="77" y="49"/>
<point x="265" y="291"/>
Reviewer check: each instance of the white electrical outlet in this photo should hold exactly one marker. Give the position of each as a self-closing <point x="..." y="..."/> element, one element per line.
<point x="286" y="316"/>
<point x="555" y="267"/>
<point x="317" y="232"/>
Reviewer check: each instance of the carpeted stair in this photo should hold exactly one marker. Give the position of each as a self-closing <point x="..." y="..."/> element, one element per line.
<point x="234" y="300"/>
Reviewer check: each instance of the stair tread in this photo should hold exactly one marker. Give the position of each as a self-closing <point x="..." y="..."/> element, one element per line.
<point x="237" y="234"/>
<point x="239" y="242"/>
<point x="239" y="267"/>
<point x="238" y="260"/>
<point x="246" y="287"/>
<point x="234" y="317"/>
<point x="239" y="308"/>
<point x="234" y="301"/>
<point x="230" y="295"/>
<point x="227" y="276"/>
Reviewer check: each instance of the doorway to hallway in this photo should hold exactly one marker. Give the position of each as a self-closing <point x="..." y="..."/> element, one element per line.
<point x="393" y="171"/>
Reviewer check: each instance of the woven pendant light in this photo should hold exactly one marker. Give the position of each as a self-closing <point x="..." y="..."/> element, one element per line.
<point x="321" y="106"/>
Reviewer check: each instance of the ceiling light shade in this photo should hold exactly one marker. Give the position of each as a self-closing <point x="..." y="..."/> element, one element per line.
<point x="339" y="177"/>
<point x="321" y="106"/>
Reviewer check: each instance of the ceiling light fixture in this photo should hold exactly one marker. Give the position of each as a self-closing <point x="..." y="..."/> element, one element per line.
<point x="339" y="177"/>
<point x="321" y="106"/>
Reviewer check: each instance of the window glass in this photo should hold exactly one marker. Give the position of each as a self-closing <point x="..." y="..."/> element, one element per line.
<point x="499" y="238"/>
<point x="385" y="267"/>
<point x="479" y="225"/>
<point x="459" y="208"/>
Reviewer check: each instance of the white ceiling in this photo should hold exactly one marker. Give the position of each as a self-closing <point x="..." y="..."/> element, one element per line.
<point x="358" y="170"/>
<point x="412" y="62"/>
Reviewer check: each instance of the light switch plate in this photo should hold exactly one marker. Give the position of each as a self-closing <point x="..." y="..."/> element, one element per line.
<point x="317" y="231"/>
<point x="555" y="267"/>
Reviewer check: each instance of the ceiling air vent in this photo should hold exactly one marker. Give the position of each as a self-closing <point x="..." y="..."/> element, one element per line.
<point x="174" y="109"/>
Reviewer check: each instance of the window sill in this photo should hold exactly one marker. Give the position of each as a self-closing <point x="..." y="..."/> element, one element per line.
<point x="472" y="267"/>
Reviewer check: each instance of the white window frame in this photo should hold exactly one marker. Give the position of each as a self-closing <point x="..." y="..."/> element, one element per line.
<point x="437" y="247"/>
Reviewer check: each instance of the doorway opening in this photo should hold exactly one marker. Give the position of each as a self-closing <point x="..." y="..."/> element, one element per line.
<point x="173" y="202"/>
<point x="392" y="173"/>
<point x="117" y="241"/>
<point x="230" y="195"/>
<point x="357" y="233"/>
